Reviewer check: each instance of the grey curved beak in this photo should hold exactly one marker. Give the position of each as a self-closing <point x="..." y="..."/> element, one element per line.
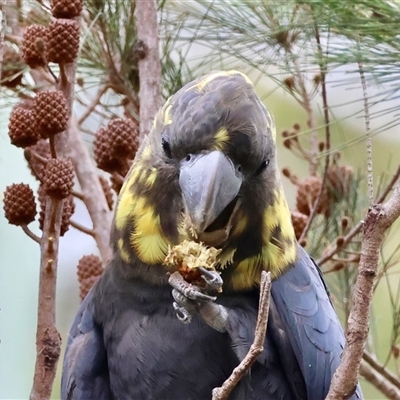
<point x="209" y="182"/>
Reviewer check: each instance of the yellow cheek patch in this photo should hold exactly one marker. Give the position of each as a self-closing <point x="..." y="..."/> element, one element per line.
<point x="247" y="274"/>
<point x="220" y="139"/>
<point x="147" y="238"/>
<point x="276" y="252"/>
<point x="124" y="209"/>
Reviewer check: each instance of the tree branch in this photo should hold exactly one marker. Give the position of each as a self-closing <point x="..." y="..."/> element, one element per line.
<point x="92" y="193"/>
<point x="379" y="218"/>
<point x="382" y="371"/>
<point x="149" y="64"/>
<point x="222" y="393"/>
<point x="48" y="340"/>
<point x="379" y="381"/>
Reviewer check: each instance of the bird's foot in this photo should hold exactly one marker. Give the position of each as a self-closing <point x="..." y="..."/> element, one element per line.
<point x="189" y="300"/>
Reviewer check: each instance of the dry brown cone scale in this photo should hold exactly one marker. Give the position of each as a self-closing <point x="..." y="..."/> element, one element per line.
<point x="58" y="178"/>
<point x="340" y="179"/>
<point x="299" y="221"/>
<point x="62" y="41"/>
<point x="33" y="45"/>
<point x="66" y="8"/>
<point x="21" y="127"/>
<point x="50" y="111"/>
<point x="307" y="193"/>
<point x="115" y="146"/>
<point x="19" y="204"/>
<point x="89" y="270"/>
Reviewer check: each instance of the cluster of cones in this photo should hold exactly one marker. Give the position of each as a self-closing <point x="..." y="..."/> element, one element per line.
<point x="337" y="186"/>
<point x="58" y="43"/>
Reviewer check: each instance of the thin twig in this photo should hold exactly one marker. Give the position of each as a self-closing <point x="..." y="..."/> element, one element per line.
<point x="93" y="105"/>
<point x="368" y="143"/>
<point x="81" y="228"/>
<point x="222" y="393"/>
<point x="381" y="369"/>
<point x="379" y="381"/>
<point x="357" y="228"/>
<point x="26" y="229"/>
<point x="78" y="195"/>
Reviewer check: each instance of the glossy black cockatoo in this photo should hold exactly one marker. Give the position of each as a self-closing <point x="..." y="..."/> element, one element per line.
<point x="206" y="173"/>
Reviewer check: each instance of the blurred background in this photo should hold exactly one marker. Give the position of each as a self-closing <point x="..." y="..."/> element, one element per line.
<point x="278" y="47"/>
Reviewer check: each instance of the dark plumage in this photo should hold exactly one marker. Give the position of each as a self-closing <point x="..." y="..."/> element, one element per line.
<point x="206" y="172"/>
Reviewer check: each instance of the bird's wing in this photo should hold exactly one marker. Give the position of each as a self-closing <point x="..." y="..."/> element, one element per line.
<point x="85" y="371"/>
<point x="311" y="324"/>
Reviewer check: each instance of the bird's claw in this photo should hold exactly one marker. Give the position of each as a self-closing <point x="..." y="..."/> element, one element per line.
<point x="190" y="291"/>
<point x="188" y="298"/>
<point x="182" y="314"/>
<point x="212" y="279"/>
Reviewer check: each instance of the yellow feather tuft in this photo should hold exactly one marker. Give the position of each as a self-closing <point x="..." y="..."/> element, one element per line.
<point x="123" y="253"/>
<point x="124" y="209"/>
<point x="220" y="139"/>
<point x="147" y="238"/>
<point x="152" y="176"/>
<point x="168" y="115"/>
<point x="247" y="274"/>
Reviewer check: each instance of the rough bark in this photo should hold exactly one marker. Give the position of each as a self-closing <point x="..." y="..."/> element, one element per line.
<point x="149" y="64"/>
<point x="379" y="218"/>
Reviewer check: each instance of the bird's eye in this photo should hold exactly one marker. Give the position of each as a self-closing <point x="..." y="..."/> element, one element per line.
<point x="166" y="147"/>
<point x="262" y="167"/>
<point x="188" y="157"/>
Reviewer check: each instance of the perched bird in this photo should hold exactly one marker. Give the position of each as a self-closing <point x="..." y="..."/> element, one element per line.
<point x="207" y="172"/>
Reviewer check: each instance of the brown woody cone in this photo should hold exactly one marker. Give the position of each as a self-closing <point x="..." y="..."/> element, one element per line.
<point x="33" y="45"/>
<point x="58" y="178"/>
<point x="66" y="8"/>
<point x="62" y="41"/>
<point x="12" y="68"/>
<point x="299" y="222"/>
<point x="307" y="193"/>
<point x="107" y="191"/>
<point x="123" y="137"/>
<point x="89" y="271"/>
<point x="50" y="110"/>
<point x="21" y="127"/>
<point x="340" y="178"/>
<point x="102" y="153"/>
<point x="19" y="204"/>
<point x="37" y="157"/>
<point x="88" y="266"/>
